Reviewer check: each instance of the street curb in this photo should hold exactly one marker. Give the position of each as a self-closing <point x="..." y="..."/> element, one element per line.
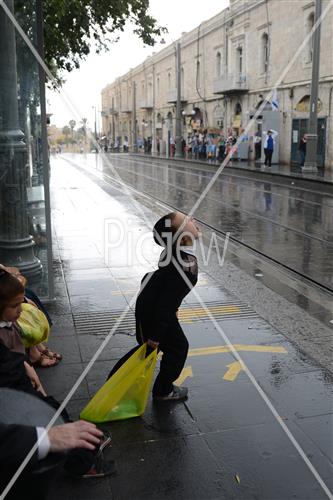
<point x="293" y="177"/>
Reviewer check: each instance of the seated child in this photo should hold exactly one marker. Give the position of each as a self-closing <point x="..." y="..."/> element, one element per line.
<point x="39" y="354"/>
<point x="161" y="295"/>
<point x="17" y="373"/>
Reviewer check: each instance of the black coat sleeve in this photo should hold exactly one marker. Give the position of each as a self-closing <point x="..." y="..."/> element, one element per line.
<point x="15" y="443"/>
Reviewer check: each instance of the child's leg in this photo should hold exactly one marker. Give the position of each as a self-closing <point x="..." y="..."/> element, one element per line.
<point x="175" y="350"/>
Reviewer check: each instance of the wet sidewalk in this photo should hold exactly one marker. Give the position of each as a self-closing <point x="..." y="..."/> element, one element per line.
<point x="224" y="442"/>
<point x="323" y="176"/>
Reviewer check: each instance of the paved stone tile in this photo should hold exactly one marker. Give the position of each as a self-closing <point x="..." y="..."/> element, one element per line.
<point x="188" y="471"/>
<point x="320" y="430"/>
<point x="266" y="463"/>
<point x="68" y="346"/>
<point x="59" y="379"/>
<point x="89" y="344"/>
<point x="63" y="325"/>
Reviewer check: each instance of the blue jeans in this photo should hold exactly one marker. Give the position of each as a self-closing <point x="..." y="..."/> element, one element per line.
<point x="302" y="155"/>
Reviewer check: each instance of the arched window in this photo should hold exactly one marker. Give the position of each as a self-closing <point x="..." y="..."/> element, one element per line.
<point x="240" y="61"/>
<point x="218" y="64"/>
<point x="309" y="27"/>
<point x="198" y="76"/>
<point x="150" y="92"/>
<point x="264" y="53"/>
<point x="238" y="108"/>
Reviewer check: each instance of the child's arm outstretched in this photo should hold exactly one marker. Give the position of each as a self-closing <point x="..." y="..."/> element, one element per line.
<point x="31" y="372"/>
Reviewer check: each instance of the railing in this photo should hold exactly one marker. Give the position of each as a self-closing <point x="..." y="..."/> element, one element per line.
<point x="232" y="83"/>
<point x="172" y="96"/>
<point x="146" y="103"/>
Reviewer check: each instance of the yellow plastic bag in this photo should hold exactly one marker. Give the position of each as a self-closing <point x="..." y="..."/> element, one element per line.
<point x="125" y="394"/>
<point x="34" y="325"/>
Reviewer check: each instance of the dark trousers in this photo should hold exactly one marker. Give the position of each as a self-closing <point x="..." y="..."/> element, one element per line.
<point x="257" y="148"/>
<point x="174" y="348"/>
<point x="268" y="156"/>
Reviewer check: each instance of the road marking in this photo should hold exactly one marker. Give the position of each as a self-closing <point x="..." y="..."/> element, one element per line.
<point x="187" y="315"/>
<point x="234" y="369"/>
<point x="186" y="373"/>
<point x="204" y="351"/>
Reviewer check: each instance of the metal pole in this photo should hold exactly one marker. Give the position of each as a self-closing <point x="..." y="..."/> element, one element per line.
<point x="95" y="124"/>
<point x="16" y="244"/>
<point x="135" y="139"/>
<point x="154" y="118"/>
<point x="45" y="150"/>
<point x="178" y="152"/>
<point x="310" y="164"/>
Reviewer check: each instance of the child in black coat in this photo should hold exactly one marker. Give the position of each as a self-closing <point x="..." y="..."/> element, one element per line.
<point x="161" y="295"/>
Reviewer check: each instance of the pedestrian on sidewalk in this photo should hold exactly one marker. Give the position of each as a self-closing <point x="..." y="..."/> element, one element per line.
<point x="161" y="294"/>
<point x="257" y="145"/>
<point x="269" y="146"/>
<point x="302" y="149"/>
<point x="160" y="297"/>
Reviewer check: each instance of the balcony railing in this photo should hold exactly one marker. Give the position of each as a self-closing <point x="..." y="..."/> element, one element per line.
<point x="231" y="84"/>
<point x="146" y="103"/>
<point x="172" y="96"/>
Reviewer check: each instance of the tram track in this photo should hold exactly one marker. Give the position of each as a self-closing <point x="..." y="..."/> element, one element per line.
<point x="282" y="266"/>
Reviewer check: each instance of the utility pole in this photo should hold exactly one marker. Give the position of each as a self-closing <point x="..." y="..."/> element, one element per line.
<point x="45" y="152"/>
<point x="310" y="164"/>
<point x="95" y="124"/>
<point x="16" y="244"/>
<point x="135" y="139"/>
<point x="178" y="152"/>
<point x="113" y="130"/>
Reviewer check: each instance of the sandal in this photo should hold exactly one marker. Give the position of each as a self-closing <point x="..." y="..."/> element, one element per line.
<point x="45" y="362"/>
<point x="50" y="354"/>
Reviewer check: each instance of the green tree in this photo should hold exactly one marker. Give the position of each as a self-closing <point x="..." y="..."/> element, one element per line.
<point x="72" y="25"/>
<point x="67" y="132"/>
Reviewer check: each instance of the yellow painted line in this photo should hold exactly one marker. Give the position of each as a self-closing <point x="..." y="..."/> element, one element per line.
<point x="188" y="315"/>
<point x="232" y="373"/>
<point x="204" y="351"/>
<point x="199" y="311"/>
<point x="186" y="373"/>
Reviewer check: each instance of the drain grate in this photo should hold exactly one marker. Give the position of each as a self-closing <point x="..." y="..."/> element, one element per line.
<point x="101" y="322"/>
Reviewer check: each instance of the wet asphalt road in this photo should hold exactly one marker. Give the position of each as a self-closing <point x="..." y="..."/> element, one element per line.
<point x="292" y="226"/>
<point x="224" y="443"/>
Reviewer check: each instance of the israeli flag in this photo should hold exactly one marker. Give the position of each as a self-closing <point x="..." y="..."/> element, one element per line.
<point x="275" y="101"/>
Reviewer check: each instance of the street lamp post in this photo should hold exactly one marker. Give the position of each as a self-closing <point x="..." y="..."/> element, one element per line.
<point x="16" y="244"/>
<point x="310" y="164"/>
<point x="95" y="123"/>
<point x="135" y="139"/>
<point x="178" y="151"/>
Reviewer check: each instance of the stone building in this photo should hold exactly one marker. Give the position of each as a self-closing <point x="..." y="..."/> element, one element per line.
<point x="229" y="64"/>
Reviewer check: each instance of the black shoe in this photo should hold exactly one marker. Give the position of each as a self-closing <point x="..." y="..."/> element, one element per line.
<point x="177" y="394"/>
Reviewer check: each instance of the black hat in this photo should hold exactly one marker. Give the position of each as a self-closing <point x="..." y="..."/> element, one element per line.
<point x="162" y="229"/>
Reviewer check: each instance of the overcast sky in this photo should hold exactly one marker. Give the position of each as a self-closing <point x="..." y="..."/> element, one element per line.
<point x="83" y="87"/>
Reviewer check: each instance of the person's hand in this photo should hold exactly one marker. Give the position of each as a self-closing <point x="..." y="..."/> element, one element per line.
<point x="153" y="344"/>
<point x="36" y="383"/>
<point x="78" y="434"/>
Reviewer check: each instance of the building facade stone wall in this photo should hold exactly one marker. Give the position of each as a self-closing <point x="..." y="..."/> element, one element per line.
<point x="229" y="64"/>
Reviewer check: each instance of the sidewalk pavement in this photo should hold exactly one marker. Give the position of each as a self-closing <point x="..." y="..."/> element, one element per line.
<point x="224" y="443"/>
<point x="289" y="171"/>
